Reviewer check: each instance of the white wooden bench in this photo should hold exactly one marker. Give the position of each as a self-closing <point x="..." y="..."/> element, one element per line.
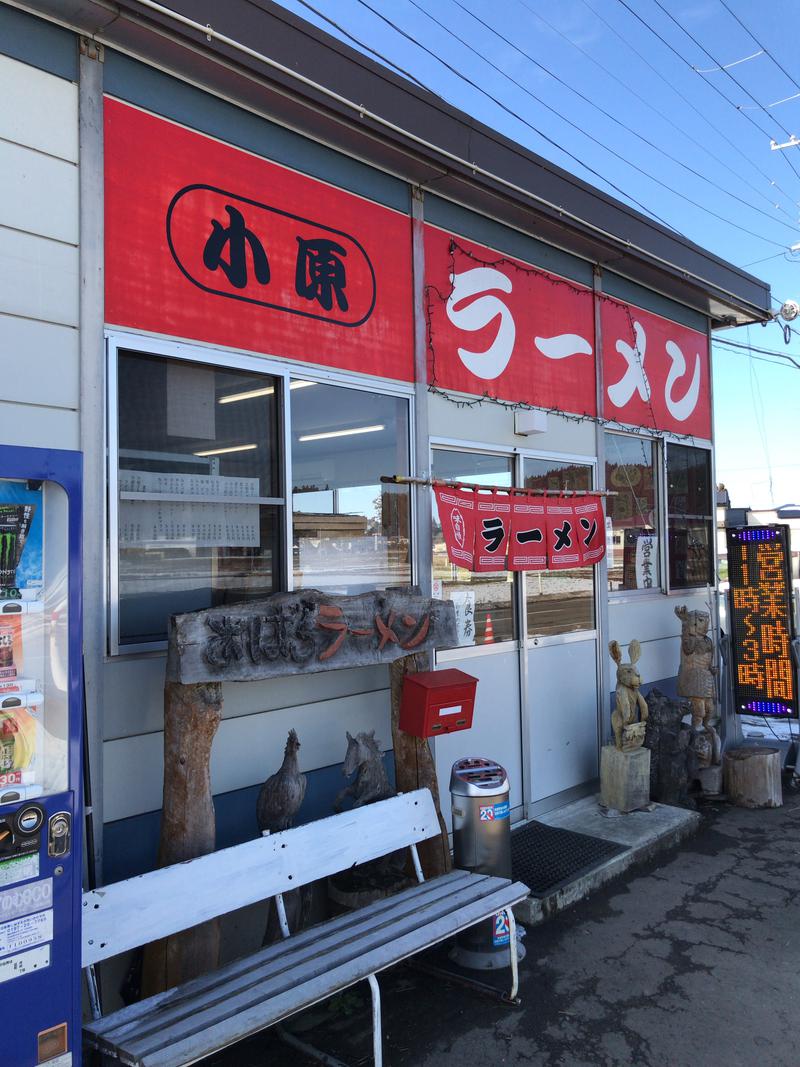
<point x="210" y="1013"/>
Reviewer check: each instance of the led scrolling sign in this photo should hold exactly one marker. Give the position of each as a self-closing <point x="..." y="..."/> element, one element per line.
<point x="762" y="628"/>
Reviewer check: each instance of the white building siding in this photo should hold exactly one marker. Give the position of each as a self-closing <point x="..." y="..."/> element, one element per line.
<point x="652" y="621"/>
<point x="39" y="271"/>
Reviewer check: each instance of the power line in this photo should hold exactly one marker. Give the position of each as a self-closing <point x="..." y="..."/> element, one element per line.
<point x="656" y="111"/>
<point x="717" y="133"/>
<point x="358" y="43"/>
<point x="739" y="346"/>
<point x="766" y="259"/>
<point x="763" y="49"/>
<point x="732" y="78"/>
<point x="555" y="144"/>
<point x="606" y="114"/>
<point x="726" y="66"/>
<point x="558" y="114"/>
<point x="684" y="60"/>
<point x="758" y="411"/>
<point x="515" y="114"/>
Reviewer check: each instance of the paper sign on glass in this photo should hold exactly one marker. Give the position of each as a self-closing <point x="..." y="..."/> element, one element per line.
<point x="527" y="549"/>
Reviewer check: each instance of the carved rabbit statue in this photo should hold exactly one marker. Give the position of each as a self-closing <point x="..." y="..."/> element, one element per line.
<point x="628" y="697"/>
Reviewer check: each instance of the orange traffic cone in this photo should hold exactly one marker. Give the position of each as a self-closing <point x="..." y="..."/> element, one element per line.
<point x="488" y="632"/>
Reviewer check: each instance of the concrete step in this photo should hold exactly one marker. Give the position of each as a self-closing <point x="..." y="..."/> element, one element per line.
<point x="644" y="833"/>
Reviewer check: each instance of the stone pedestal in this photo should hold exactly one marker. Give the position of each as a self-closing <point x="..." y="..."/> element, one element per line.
<point x="624" y="778"/>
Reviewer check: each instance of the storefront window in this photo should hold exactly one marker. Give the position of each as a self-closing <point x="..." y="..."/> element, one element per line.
<point x="199" y="505"/>
<point x="559" y="602"/>
<point x="484" y="603"/>
<point x="632" y="515"/>
<point x="351" y="533"/>
<point x="689" y="516"/>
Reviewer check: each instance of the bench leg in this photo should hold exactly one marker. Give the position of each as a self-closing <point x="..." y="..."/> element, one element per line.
<point x="306" y="1049"/>
<point x="377" y="1036"/>
<point x="331" y="1061"/>
<point x="512" y="946"/>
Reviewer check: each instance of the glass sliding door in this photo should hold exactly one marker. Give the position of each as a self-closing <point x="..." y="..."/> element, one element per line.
<point x="485" y="603"/>
<point x="488" y="646"/>
<point x="558" y="602"/>
<point x="561" y="617"/>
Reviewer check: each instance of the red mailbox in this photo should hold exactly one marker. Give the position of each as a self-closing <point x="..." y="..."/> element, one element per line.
<point x="437" y="702"/>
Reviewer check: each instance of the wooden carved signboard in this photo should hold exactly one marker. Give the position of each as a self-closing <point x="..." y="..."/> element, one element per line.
<point x="296" y="633"/>
<point x="288" y="633"/>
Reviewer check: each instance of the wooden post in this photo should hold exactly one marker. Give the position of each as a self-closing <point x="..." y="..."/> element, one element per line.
<point x="191" y="716"/>
<point x="414" y="767"/>
<point x="753" y="777"/>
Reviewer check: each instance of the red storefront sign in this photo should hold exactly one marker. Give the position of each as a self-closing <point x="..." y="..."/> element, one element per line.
<point x="207" y="241"/>
<point x="655" y="371"/>
<point x="501" y="327"/>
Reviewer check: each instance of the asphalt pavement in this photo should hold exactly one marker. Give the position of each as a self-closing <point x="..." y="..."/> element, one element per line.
<point x="688" y="961"/>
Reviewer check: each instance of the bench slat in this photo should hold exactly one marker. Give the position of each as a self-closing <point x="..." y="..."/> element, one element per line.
<point x="277" y="975"/>
<point x="245" y="1014"/>
<point x="123" y="916"/>
<point x="276" y="958"/>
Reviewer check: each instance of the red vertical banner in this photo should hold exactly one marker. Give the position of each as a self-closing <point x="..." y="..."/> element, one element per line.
<point x="590" y="527"/>
<point x="562" y="538"/>
<point x="527" y="549"/>
<point x="457" y="516"/>
<point x="492" y="528"/>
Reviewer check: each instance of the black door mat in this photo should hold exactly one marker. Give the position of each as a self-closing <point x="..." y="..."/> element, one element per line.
<point x="547" y="858"/>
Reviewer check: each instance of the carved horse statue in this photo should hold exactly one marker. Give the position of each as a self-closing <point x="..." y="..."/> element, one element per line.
<point x="364" y="755"/>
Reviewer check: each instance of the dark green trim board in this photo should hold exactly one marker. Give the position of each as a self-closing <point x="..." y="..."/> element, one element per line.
<point x="155" y="91"/>
<point x="631" y="293"/>
<point x="475" y="227"/>
<point x="39" y="43"/>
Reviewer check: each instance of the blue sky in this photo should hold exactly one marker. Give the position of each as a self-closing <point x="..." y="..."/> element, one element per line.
<point x="628" y="95"/>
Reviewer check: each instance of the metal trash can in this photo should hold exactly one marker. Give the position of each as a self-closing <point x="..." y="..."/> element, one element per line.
<point x="479" y="792"/>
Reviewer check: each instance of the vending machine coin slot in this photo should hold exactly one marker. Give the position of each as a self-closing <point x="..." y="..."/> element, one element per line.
<point x="29" y="819"/>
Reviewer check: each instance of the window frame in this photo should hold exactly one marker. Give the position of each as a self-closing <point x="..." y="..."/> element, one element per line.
<point x="660" y="472"/>
<point x="684" y="590"/>
<point x="224" y="359"/>
<point x="454" y="444"/>
<point x="591" y="634"/>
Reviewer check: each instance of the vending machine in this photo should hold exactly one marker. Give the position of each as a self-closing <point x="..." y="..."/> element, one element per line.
<point x="41" y="710"/>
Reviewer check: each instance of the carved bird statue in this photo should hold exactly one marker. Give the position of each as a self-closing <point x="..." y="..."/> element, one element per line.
<point x="282" y="794"/>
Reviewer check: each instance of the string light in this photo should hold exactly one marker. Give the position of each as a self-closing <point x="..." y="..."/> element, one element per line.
<point x="434" y="296"/>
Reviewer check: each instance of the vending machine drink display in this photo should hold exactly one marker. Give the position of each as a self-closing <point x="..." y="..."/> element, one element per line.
<point x="40" y="756"/>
